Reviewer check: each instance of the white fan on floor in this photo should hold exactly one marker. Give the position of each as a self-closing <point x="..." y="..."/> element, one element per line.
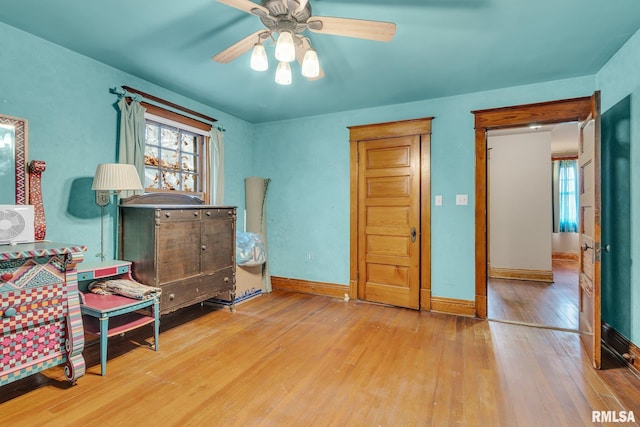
<point x="290" y="19"/>
<point x="16" y="224"/>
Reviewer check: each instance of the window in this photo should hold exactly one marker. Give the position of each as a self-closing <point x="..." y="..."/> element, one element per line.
<point x="172" y="158"/>
<point x="568" y="196"/>
<point x="176" y="156"/>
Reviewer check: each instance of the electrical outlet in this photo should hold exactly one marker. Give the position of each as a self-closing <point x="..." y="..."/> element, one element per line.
<point x="438" y="200"/>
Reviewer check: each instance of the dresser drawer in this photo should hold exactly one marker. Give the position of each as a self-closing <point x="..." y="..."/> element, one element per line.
<point x="167" y="215"/>
<point x="33" y="324"/>
<point x="37" y="347"/>
<point x="196" y="289"/>
<point x="29" y="308"/>
<point x="217" y="213"/>
<point x="220" y="281"/>
<point x="180" y="294"/>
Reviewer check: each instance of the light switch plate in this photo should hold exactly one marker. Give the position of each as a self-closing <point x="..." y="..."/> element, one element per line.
<point x="462" y="199"/>
<point x="438" y="200"/>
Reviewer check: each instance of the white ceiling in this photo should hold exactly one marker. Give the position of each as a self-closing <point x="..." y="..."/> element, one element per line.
<point x="564" y="136"/>
<point x="441" y="48"/>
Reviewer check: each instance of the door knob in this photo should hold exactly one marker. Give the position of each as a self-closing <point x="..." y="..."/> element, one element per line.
<point x="585" y="247"/>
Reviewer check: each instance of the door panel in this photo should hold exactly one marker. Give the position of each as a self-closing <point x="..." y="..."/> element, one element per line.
<point x="389" y="220"/>
<point x="590" y="218"/>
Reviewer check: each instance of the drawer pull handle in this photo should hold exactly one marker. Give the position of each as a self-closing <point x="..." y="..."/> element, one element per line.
<point x="226" y="279"/>
<point x="10" y="312"/>
<point x="203" y="247"/>
<point x="195" y="213"/>
<point x="172" y="296"/>
<point x="208" y="213"/>
<point x="6" y="277"/>
<point x="168" y="215"/>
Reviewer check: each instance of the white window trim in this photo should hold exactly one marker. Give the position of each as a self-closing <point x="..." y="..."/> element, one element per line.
<point x="168" y="122"/>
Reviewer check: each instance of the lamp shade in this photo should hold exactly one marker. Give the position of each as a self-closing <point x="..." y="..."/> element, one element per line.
<point x="116" y="176"/>
<point x="310" y="64"/>
<point x="283" y="74"/>
<point x="285" y="49"/>
<point x="259" y="60"/>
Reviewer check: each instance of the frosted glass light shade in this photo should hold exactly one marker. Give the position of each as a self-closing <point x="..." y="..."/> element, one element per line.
<point x="285" y="49"/>
<point x="283" y="74"/>
<point x="259" y="61"/>
<point x="310" y="64"/>
<point x="116" y="176"/>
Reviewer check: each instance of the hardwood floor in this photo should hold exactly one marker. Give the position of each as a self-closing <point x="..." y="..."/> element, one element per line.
<point x="546" y="304"/>
<point x="289" y="359"/>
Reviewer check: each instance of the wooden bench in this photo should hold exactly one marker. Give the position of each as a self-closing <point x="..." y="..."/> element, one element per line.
<point x="109" y="315"/>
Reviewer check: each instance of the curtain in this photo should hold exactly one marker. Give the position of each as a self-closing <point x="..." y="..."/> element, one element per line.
<point x="566" y="203"/>
<point x="216" y="142"/>
<point x="132" y="129"/>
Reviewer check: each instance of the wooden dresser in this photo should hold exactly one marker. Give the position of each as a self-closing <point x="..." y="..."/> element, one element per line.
<point x="40" y="317"/>
<point x="180" y="245"/>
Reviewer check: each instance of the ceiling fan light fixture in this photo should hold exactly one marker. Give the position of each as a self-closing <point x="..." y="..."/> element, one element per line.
<point x="310" y="64"/>
<point x="283" y="73"/>
<point x="285" y="49"/>
<point x="259" y="61"/>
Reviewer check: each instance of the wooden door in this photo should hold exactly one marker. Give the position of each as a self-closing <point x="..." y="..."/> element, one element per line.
<point x="389" y="220"/>
<point x="590" y="244"/>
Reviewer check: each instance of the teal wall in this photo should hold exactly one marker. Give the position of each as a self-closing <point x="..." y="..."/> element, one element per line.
<point x="308" y="162"/>
<point x="72" y="124"/>
<point x="619" y="78"/>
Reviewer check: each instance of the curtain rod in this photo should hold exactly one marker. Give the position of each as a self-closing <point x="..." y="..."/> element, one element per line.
<point x="138" y="95"/>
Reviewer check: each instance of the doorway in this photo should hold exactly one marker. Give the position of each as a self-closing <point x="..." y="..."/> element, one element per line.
<point x="390" y="213"/>
<point x="586" y="111"/>
<point x="533" y="249"/>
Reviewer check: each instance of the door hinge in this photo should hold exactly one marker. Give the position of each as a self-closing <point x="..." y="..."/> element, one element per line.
<point x="598" y="252"/>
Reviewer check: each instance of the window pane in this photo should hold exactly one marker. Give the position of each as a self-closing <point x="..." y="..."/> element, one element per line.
<point x="188" y="163"/>
<point x="171" y="180"/>
<point x="170" y="159"/>
<point x="151" y="135"/>
<point x="188" y="143"/>
<point x="151" y="156"/>
<point x="151" y="178"/>
<point x="169" y="138"/>
<point x="189" y="182"/>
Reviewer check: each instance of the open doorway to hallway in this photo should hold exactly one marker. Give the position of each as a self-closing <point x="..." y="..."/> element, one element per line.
<point x="533" y="254"/>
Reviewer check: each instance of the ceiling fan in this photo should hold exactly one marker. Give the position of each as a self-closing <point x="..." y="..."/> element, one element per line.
<point x="290" y="19"/>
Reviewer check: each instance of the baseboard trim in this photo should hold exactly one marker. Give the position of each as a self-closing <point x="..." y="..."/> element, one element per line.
<point x="425" y="299"/>
<point x="458" y="307"/>
<point x="521" y="274"/>
<point x="566" y="256"/>
<point x="438" y="304"/>
<point x="620" y="346"/>
<point x="309" y="287"/>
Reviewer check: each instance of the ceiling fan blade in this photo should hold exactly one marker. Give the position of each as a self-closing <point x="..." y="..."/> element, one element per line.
<point x="246" y="6"/>
<point x="358" y="28"/>
<point x="300" y="50"/>
<point x="237" y="49"/>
